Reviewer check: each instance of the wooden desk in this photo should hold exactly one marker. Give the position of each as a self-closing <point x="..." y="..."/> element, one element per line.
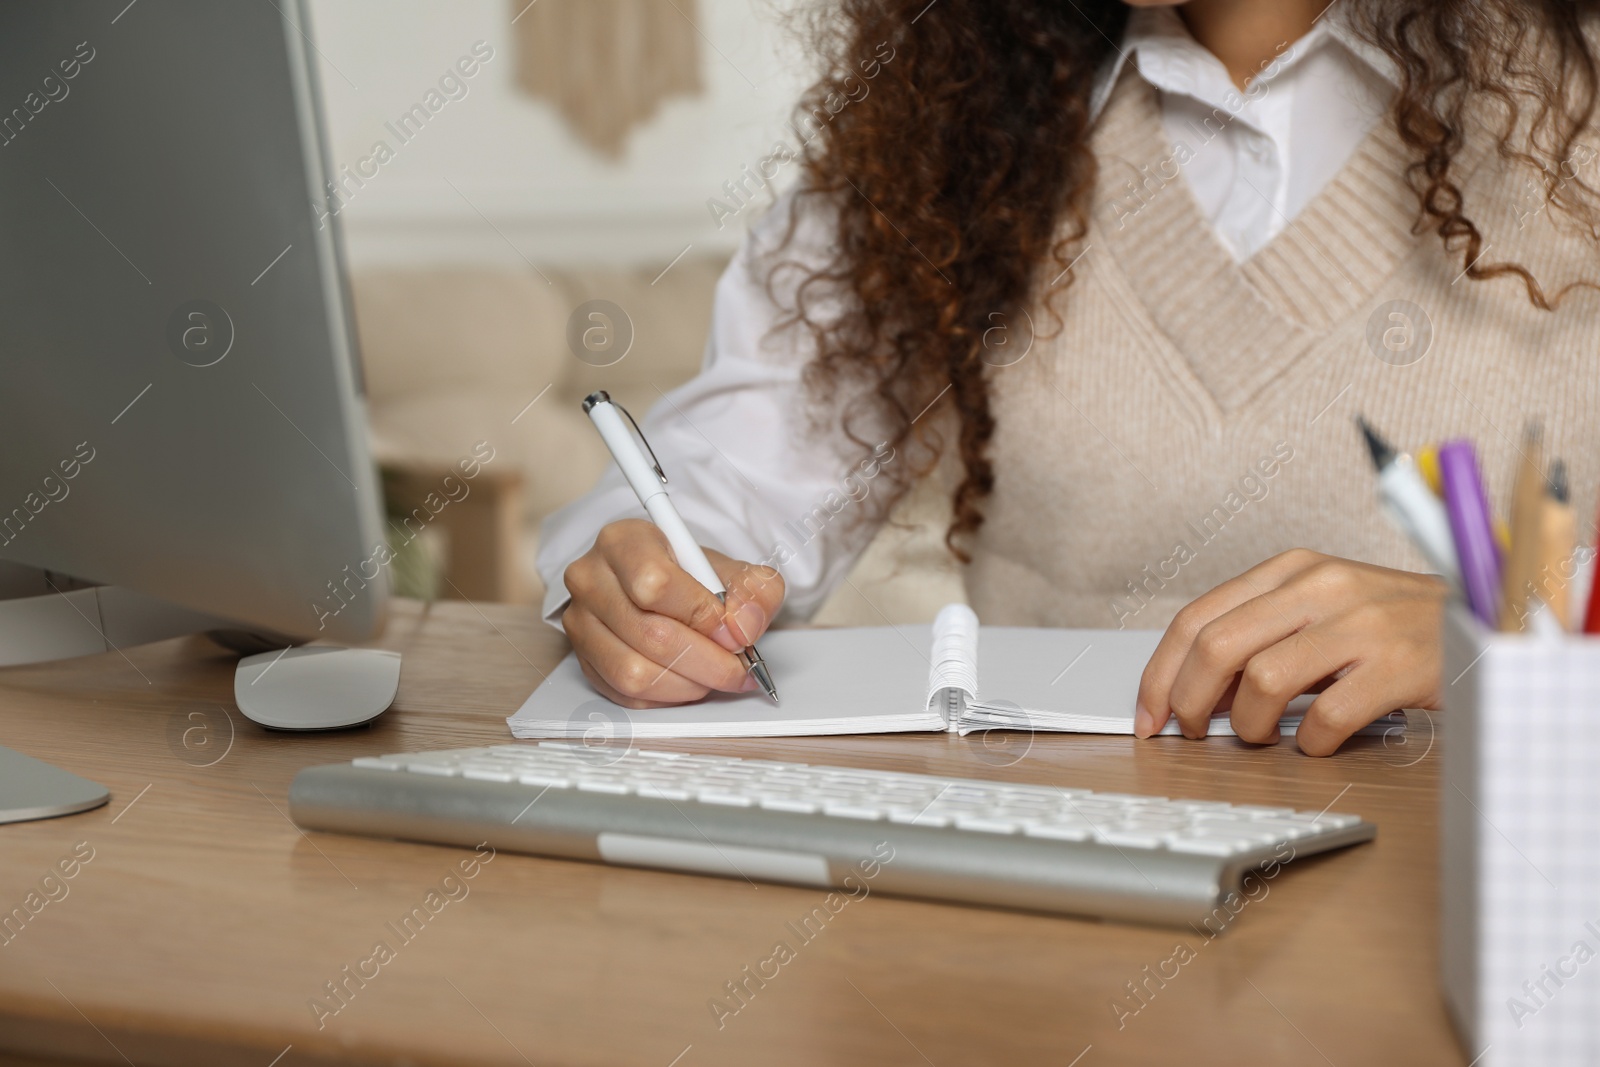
<point x="206" y="922"/>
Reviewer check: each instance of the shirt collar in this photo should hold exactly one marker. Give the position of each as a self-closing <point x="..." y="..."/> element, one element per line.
<point x="1168" y="54"/>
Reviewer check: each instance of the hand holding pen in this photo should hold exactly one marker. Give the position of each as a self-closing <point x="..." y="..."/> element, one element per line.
<point x="654" y="618"/>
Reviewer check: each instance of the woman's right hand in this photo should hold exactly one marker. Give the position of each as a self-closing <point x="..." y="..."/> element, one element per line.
<point x="647" y="634"/>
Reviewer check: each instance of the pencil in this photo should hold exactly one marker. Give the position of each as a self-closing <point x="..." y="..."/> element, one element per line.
<point x="1558" y="541"/>
<point x="1527" y="542"/>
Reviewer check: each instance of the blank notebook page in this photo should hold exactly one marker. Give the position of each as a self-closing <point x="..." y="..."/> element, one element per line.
<point x="872" y="680"/>
<point x="1090" y="674"/>
<point x="1084" y="681"/>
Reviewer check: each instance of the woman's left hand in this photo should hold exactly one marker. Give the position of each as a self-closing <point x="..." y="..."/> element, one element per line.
<point x="1297" y="621"/>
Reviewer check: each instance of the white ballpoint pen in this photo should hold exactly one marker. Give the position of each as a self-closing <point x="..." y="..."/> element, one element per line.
<point x="1411" y="505"/>
<point x="649" y="483"/>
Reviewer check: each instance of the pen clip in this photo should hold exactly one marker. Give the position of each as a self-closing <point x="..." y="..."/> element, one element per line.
<point x="654" y="462"/>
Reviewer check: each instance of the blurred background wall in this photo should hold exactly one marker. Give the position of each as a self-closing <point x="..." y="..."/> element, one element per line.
<point x="511" y="156"/>
<point x="486" y="203"/>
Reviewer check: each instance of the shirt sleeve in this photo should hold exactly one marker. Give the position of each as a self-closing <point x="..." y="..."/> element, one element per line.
<point x="751" y="470"/>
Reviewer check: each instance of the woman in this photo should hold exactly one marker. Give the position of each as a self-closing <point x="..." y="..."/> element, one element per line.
<point x="1123" y="274"/>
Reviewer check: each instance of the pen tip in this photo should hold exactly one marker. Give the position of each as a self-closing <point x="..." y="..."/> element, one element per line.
<point x="765" y="680"/>
<point x="1382" y="453"/>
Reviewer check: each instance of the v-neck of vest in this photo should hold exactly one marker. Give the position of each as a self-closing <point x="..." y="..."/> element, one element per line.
<point x="1238" y="326"/>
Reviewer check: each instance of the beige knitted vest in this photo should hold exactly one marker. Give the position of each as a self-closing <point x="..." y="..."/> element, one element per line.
<point x="1193" y="416"/>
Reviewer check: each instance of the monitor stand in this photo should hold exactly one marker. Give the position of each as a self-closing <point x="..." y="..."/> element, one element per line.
<point x="45" y="616"/>
<point x="32" y="789"/>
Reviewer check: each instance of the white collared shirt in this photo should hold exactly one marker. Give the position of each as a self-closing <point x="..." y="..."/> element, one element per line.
<point x="1261" y="154"/>
<point x="726" y="438"/>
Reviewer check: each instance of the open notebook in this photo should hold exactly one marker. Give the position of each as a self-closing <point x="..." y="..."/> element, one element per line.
<point x="899" y="678"/>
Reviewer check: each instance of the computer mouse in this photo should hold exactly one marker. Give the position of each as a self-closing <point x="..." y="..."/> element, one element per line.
<point x="316" y="688"/>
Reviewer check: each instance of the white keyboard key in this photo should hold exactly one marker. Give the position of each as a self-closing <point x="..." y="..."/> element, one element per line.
<point x="1159" y="827"/>
<point x="730" y="800"/>
<point x="662" y="791"/>
<point x="1284" y="828"/>
<point x="1094" y="808"/>
<point x="1022" y="814"/>
<point x="925" y="818"/>
<point x="1128" y="838"/>
<point x="443" y="770"/>
<point x="949" y="803"/>
<point x="1242" y="837"/>
<point x="572" y="747"/>
<point x="853" y="810"/>
<point x="1229" y="821"/>
<point x="552" y="779"/>
<point x="1016" y="803"/>
<point x="1308" y="818"/>
<point x="903" y="812"/>
<point x="1059" y="831"/>
<point x="804" y="807"/>
<point x="1334" y="821"/>
<point x="988" y="826"/>
<point x="913" y="803"/>
<point x="723" y="785"/>
<point x="604" y="785"/>
<point x="378" y="763"/>
<point x="487" y="773"/>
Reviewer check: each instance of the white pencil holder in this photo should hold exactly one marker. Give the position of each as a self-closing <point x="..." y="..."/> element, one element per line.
<point x="1519" y="950"/>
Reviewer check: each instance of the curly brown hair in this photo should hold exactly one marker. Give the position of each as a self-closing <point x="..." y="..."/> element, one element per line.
<point x="962" y="179"/>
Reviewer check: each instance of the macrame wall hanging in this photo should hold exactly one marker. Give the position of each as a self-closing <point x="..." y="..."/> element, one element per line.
<point x="607" y="65"/>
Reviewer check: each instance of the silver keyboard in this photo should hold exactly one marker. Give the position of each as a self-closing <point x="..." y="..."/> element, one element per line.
<point x="1112" y="855"/>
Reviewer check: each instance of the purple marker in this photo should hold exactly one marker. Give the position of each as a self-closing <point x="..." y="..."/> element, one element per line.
<point x="1472" y="528"/>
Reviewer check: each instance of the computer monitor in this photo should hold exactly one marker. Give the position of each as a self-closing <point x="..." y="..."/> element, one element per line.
<point x="181" y="412"/>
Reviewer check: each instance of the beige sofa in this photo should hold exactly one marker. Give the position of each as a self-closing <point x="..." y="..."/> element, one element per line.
<point x="455" y="356"/>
